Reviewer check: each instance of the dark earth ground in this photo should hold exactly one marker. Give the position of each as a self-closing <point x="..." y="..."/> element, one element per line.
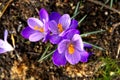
<point x="22" y="64"/>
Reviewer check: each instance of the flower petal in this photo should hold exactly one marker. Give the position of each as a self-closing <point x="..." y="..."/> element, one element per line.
<point x="59" y="59"/>
<point x="65" y="21"/>
<point x="55" y="16"/>
<point x="2" y="50"/>
<point x="73" y="58"/>
<point x="74" y="24"/>
<point x="46" y="26"/>
<point x="27" y="32"/>
<point x="33" y="22"/>
<point x="70" y="33"/>
<point x="46" y="37"/>
<point x="87" y="45"/>
<point x="43" y="15"/>
<point x="2" y="43"/>
<point x="77" y="41"/>
<point x="62" y="46"/>
<point x="8" y="46"/>
<point x="36" y="37"/>
<point x="84" y="56"/>
<point x="53" y="27"/>
<point x="5" y="46"/>
<point x="5" y="35"/>
<point x="55" y="39"/>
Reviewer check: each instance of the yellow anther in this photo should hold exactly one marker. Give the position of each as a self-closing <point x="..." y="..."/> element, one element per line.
<point x="60" y="28"/>
<point x="71" y="49"/>
<point x="39" y="29"/>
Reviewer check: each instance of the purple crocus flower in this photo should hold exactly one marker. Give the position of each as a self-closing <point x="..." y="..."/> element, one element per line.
<point x="70" y="49"/>
<point x="37" y="29"/>
<point x="58" y="25"/>
<point x="4" y="45"/>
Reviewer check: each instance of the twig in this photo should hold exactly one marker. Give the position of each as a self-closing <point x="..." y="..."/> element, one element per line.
<point x="114" y="27"/>
<point x="108" y="7"/>
<point x="4" y="9"/>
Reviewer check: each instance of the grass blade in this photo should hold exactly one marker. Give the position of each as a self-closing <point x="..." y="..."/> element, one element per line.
<point x="76" y="11"/>
<point x="89" y="33"/>
<point x="93" y="45"/>
<point x="79" y="22"/>
<point x="41" y="59"/>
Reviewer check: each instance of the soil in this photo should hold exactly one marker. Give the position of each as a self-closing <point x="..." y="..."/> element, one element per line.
<point x="22" y="63"/>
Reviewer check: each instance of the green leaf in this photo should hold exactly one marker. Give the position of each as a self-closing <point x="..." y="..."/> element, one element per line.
<point x="89" y="33"/>
<point x="93" y="45"/>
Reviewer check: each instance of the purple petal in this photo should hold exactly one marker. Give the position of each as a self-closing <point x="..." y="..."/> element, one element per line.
<point x="1" y="43"/>
<point x="5" y="35"/>
<point x="46" y="26"/>
<point x="46" y="37"/>
<point x="9" y="47"/>
<point x="59" y="59"/>
<point x="2" y="51"/>
<point x="77" y="40"/>
<point x="55" y="39"/>
<point x="36" y="37"/>
<point x="74" y="24"/>
<point x="33" y="22"/>
<point x="4" y="45"/>
<point x="65" y="21"/>
<point x="73" y="58"/>
<point x="43" y="15"/>
<point x="53" y="27"/>
<point x="70" y="33"/>
<point x="62" y="46"/>
<point x="55" y="16"/>
<point x="84" y="56"/>
<point x="27" y="32"/>
<point x="87" y="45"/>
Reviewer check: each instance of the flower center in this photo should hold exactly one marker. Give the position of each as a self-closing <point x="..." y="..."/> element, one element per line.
<point x="60" y="28"/>
<point x="39" y="29"/>
<point x="71" y="49"/>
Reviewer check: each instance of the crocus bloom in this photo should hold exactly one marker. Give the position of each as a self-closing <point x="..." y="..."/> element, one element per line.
<point x="4" y="45"/>
<point x="70" y="49"/>
<point x="58" y="25"/>
<point x="37" y="29"/>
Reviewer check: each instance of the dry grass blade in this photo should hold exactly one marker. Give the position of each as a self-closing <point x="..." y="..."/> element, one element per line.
<point x="108" y="7"/>
<point x="118" y="51"/>
<point x="4" y="9"/>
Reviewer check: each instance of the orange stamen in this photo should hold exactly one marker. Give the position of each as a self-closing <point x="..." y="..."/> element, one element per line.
<point x="60" y="28"/>
<point x="71" y="49"/>
<point x="39" y="29"/>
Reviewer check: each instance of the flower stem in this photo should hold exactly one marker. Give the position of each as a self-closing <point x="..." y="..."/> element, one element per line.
<point x="89" y="33"/>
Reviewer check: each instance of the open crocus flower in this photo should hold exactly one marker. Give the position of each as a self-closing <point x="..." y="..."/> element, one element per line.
<point x="4" y="45"/>
<point x="58" y="25"/>
<point x="37" y="28"/>
<point x="70" y="49"/>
